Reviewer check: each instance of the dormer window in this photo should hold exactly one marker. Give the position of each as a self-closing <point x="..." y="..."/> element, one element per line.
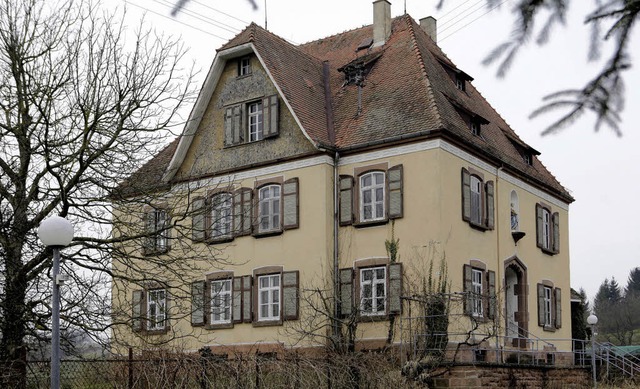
<point x="244" y="66"/>
<point x="459" y="82"/>
<point x="475" y="128"/>
<point x="527" y="158"/>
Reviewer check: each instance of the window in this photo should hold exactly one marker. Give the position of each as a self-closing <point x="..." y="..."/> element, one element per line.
<point x="157" y="231"/>
<point x="475" y="128"/>
<point x="477" y="200"/>
<point x="251" y="121"/>
<point x="515" y="209"/>
<point x="156" y="309"/>
<point x="373" y="291"/>
<point x="150" y="311"/>
<point x="372" y="204"/>
<point x="269" y="208"/>
<point x="221" y="301"/>
<point x="377" y="289"/>
<point x="255" y="121"/>
<point x="377" y="193"/>
<point x="244" y="66"/>
<point x="476" y="290"/>
<point x="547" y="229"/>
<point x="459" y="82"/>
<point x="269" y="297"/>
<point x="480" y="290"/>
<point x="549" y="306"/>
<point x="528" y="159"/>
<point x="220" y="216"/>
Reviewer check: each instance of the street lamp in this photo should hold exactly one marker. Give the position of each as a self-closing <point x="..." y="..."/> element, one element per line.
<point x="592" y="320"/>
<point x="55" y="232"/>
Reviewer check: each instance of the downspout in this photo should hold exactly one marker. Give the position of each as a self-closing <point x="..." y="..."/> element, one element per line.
<point x="336" y="258"/>
<point x="499" y="267"/>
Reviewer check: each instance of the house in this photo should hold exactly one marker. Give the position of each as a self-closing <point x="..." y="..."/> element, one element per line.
<point x="298" y="164"/>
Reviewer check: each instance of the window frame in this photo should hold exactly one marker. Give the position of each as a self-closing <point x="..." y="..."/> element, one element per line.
<point x="213" y="209"/>
<point x="373" y="283"/>
<point x="270" y="304"/>
<point x="141" y="305"/>
<point x="157" y="231"/>
<point x="547" y="229"/>
<point x="484" y="204"/>
<point x="549" y="306"/>
<point x="477" y="290"/>
<point x="372" y="189"/>
<point x="255" y="121"/>
<point x="480" y="306"/>
<point x="228" y="304"/>
<point x="271" y="226"/>
<point x="244" y="66"/>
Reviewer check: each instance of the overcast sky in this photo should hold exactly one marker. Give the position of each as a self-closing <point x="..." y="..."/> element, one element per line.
<point x="601" y="170"/>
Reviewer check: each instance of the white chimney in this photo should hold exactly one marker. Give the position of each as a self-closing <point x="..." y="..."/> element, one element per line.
<point x="381" y="22"/>
<point x="429" y="25"/>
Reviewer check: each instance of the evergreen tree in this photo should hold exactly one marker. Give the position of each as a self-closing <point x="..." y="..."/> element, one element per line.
<point x="633" y="283"/>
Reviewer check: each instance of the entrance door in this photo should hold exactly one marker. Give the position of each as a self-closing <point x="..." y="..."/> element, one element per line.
<point x="511" y="299"/>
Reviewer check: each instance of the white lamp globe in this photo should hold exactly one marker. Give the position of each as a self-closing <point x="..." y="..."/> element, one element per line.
<point x="55" y="231"/>
<point x="592" y="320"/>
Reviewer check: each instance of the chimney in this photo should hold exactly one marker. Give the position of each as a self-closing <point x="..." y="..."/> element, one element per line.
<point x="381" y="22"/>
<point x="429" y="25"/>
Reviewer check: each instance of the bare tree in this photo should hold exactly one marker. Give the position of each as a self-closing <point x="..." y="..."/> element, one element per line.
<point x="604" y="94"/>
<point x="85" y="102"/>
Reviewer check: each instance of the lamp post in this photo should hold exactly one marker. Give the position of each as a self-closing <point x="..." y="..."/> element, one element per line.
<point x="55" y="232"/>
<point x="592" y="320"/>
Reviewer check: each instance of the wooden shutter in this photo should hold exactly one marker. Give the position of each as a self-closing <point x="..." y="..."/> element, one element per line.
<point x="237" y="129"/>
<point x="555" y="224"/>
<point x="290" y="300"/>
<point x="237" y="300"/>
<point x="346" y="292"/>
<point x="395" y="289"/>
<point x="466" y="195"/>
<point x="541" y="305"/>
<point x="290" y="204"/>
<point x="539" y="226"/>
<point x="242" y="211"/>
<point x="228" y="126"/>
<point x="137" y="302"/>
<point x="197" y="303"/>
<point x="270" y="116"/>
<point x="468" y="289"/>
<point x="491" y="294"/>
<point x="394" y="178"/>
<point x="198" y="233"/>
<point x="557" y="294"/>
<point x="346" y="200"/>
<point x="247" y="299"/>
<point x="149" y="243"/>
<point x="490" y="218"/>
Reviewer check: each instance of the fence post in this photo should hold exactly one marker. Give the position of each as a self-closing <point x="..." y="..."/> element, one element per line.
<point x="130" y="385"/>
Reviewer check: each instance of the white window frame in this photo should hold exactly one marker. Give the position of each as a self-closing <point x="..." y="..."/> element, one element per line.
<point x="546" y="229"/>
<point x="548" y="296"/>
<point x="255" y="121"/>
<point x="269" y="204"/>
<point x="269" y="297"/>
<point x="475" y="128"/>
<point x="376" y="205"/>
<point x="221" y="217"/>
<point x="156" y="309"/>
<point x="372" y="283"/>
<point x="475" y="200"/>
<point x="477" y="277"/>
<point x="160" y="231"/>
<point x="221" y="301"/>
<point x="244" y="68"/>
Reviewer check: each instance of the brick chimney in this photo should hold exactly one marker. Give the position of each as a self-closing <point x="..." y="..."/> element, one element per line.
<point x="429" y="25"/>
<point x="381" y="22"/>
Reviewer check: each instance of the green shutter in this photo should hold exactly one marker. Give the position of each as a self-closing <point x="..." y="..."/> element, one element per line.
<point x="197" y="303"/>
<point x="467" y="289"/>
<point x="346" y="292"/>
<point x="539" y="226"/>
<point x="346" y="200"/>
<point x="466" y="195"/>
<point x="198" y="220"/>
<point x="290" y="300"/>
<point x="489" y="192"/>
<point x="541" y="305"/>
<point x="558" y="307"/>
<point x="555" y="224"/>
<point x="394" y="178"/>
<point x="270" y="116"/>
<point x="137" y="302"/>
<point x="290" y="205"/>
<point x="395" y="289"/>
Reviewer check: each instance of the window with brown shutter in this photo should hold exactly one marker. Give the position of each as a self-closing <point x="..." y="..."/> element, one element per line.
<point x="371" y="291"/>
<point x="549" y="306"/>
<point x="157" y="230"/>
<point x="547" y="229"/>
<point x="252" y="121"/>
<point x="275" y="296"/>
<point x="479" y="287"/>
<point x="478" y="204"/>
<point x="150" y="311"/>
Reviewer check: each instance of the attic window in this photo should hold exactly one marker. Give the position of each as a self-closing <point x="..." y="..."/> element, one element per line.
<point x="353" y="74"/>
<point x="528" y="159"/>
<point x="244" y="66"/>
<point x="459" y="82"/>
<point x="475" y="127"/>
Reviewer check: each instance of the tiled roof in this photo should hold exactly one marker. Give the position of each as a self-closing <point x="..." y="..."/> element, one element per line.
<point x="407" y="91"/>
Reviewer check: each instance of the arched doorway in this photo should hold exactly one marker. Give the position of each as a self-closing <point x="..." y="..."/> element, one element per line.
<point x="516" y="311"/>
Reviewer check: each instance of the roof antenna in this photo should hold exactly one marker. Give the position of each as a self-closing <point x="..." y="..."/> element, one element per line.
<point x="405" y="7"/>
<point x="265" y="15"/>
